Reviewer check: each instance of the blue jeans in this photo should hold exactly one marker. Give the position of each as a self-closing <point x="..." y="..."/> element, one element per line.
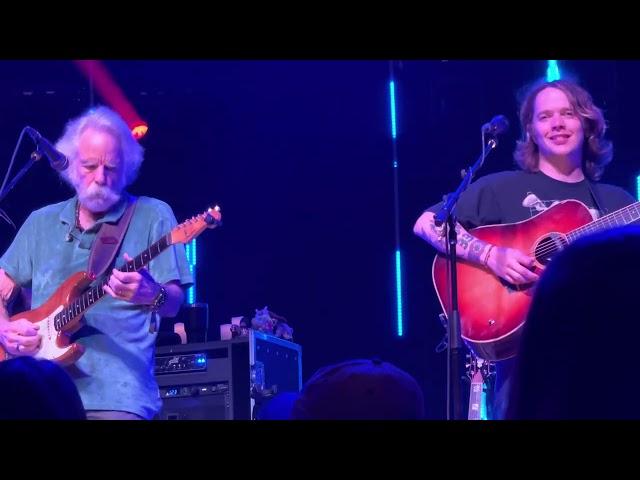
<point x="500" y="395"/>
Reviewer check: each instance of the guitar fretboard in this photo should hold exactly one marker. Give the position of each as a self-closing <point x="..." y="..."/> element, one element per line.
<point x="619" y="218"/>
<point x="92" y="295"/>
<point x="475" y="399"/>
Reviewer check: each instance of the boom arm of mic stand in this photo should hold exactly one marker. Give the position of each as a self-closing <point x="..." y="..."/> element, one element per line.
<point x="6" y="217"/>
<point x="35" y="156"/>
<point x="452" y="199"/>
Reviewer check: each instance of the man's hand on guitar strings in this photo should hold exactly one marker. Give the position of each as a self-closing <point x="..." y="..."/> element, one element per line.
<point x="135" y="287"/>
<point x="512" y="265"/>
<point x="20" y="337"/>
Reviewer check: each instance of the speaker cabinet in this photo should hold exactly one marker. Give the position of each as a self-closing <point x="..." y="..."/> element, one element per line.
<point x="225" y="380"/>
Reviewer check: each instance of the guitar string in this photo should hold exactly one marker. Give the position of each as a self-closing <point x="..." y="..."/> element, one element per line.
<point x="59" y="323"/>
<point x="68" y="308"/>
<point x="85" y="304"/>
<point x="576" y="233"/>
<point x="592" y="227"/>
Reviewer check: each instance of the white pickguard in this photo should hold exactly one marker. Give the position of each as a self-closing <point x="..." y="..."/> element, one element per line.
<point x="49" y="350"/>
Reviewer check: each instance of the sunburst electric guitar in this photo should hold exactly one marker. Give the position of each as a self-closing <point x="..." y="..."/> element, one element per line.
<point x="61" y="315"/>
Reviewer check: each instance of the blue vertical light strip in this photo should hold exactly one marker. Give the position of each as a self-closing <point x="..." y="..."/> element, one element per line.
<point x="483" y="405"/>
<point x="398" y="254"/>
<point x="638" y="187"/>
<point x="187" y="249"/>
<point x="191" y="258"/>
<point x="399" y="293"/>
<point x="553" y="70"/>
<point x="392" y="97"/>
<point x="194" y="261"/>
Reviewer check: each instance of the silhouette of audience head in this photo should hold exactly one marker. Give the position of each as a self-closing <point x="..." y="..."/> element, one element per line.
<point x="360" y="390"/>
<point x="37" y="389"/>
<point x="279" y="407"/>
<point x="579" y="347"/>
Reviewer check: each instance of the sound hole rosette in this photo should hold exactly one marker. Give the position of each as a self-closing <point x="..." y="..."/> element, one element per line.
<point x="548" y="245"/>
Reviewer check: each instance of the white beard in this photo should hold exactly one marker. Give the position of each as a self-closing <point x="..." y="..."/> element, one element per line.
<point x="97" y="198"/>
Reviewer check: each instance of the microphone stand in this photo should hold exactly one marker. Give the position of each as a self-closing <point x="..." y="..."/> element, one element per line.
<point x="447" y="217"/>
<point x="35" y="156"/>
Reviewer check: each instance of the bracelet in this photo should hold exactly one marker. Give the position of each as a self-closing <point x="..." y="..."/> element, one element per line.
<point x="485" y="261"/>
<point x="159" y="300"/>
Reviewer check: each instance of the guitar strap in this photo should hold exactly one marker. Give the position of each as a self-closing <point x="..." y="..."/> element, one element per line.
<point x="107" y="242"/>
<point x="593" y="188"/>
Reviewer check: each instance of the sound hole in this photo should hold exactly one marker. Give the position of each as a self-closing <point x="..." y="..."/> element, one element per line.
<point x="548" y="246"/>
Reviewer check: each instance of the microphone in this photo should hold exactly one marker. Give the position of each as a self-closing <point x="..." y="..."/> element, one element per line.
<point x="498" y="124"/>
<point x="56" y="159"/>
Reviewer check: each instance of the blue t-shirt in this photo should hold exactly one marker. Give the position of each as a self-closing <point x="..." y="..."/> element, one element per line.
<point x="116" y="370"/>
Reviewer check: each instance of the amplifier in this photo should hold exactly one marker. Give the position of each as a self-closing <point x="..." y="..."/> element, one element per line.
<point x="190" y="362"/>
<point x="225" y="380"/>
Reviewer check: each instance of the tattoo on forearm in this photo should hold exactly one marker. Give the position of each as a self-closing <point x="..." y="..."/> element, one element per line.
<point x="477" y="246"/>
<point x="464" y="240"/>
<point x="438" y="236"/>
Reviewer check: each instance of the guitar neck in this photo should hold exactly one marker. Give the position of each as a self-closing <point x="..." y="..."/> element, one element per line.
<point x="475" y="397"/>
<point x="92" y="295"/>
<point x="619" y="218"/>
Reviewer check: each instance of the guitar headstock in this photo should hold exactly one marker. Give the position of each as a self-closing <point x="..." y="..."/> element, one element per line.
<point x="191" y="228"/>
<point x="478" y="369"/>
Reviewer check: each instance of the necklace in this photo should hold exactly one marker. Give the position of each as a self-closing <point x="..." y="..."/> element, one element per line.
<point x="78" y="226"/>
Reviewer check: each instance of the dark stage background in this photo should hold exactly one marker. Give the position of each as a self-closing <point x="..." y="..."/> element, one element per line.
<point x="299" y="156"/>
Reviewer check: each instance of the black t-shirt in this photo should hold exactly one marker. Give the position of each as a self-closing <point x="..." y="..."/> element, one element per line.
<point x="514" y="196"/>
